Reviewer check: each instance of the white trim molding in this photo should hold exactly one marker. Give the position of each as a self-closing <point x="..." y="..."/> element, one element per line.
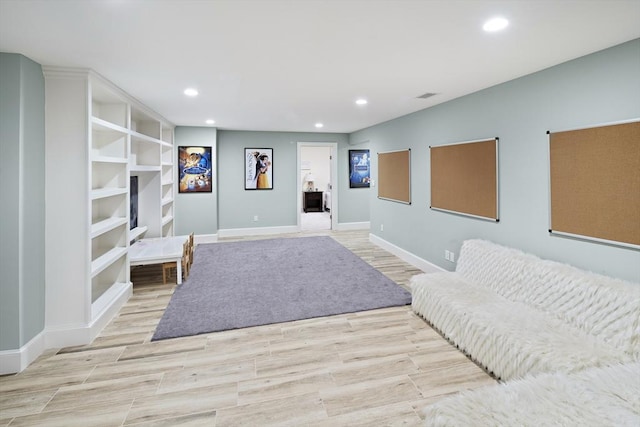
<point x="342" y="226"/>
<point x="14" y="361"/>
<point x="257" y="231"/>
<point x="406" y="256"/>
<point x="80" y="334"/>
<point x="205" y="238"/>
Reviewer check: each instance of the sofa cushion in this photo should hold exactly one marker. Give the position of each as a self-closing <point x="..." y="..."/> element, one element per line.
<point x="601" y="306"/>
<point x="507" y="337"/>
<point x="608" y="396"/>
<point x="504" y="270"/>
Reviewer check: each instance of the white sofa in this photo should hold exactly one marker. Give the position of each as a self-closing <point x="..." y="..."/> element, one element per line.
<point x="595" y="397"/>
<point x="565" y="342"/>
<point x="516" y="314"/>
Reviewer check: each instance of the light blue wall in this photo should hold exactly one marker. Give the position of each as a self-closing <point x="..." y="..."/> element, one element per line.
<point x="600" y="88"/>
<point x="9" y="198"/>
<point x="277" y="207"/>
<point x="196" y="212"/>
<point x="22" y="281"/>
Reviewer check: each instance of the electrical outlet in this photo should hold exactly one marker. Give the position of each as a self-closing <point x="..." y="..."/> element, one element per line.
<point x="447" y="254"/>
<point x="381" y="227"/>
<point x="255" y="218"/>
<point x="452" y="257"/>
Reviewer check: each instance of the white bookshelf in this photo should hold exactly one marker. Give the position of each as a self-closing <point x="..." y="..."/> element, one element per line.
<point x="97" y="136"/>
<point x="167" y="178"/>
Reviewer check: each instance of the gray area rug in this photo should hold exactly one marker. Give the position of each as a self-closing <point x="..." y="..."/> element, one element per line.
<point x="249" y="283"/>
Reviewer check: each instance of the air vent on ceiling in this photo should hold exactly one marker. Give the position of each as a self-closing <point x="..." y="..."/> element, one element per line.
<point x="426" y="95"/>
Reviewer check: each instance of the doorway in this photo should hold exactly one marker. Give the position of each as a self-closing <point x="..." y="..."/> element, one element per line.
<point x="317" y="202"/>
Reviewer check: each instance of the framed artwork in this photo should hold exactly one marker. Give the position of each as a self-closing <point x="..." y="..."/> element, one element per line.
<point x="195" y="170"/>
<point x="258" y="168"/>
<point x="359" y="169"/>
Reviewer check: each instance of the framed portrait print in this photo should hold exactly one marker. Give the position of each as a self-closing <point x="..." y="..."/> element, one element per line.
<point x="359" y="169"/>
<point x="258" y="168"/>
<point x="195" y="170"/>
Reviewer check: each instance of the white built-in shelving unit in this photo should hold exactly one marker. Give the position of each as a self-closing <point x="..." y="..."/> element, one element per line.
<point x="97" y="137"/>
<point x="167" y="176"/>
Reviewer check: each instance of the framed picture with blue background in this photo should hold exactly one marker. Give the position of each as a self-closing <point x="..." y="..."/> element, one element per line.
<point x="359" y="169"/>
<point x="195" y="170"/>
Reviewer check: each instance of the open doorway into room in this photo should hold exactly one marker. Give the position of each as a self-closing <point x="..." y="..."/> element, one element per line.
<point x="317" y="204"/>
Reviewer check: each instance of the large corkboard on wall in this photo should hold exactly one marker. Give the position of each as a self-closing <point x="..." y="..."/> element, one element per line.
<point x="464" y="178"/>
<point x="595" y="183"/>
<point x="394" y="176"/>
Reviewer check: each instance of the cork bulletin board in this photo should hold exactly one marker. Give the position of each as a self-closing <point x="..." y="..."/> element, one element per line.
<point x="464" y="178"/>
<point x="594" y="177"/>
<point x="394" y="176"/>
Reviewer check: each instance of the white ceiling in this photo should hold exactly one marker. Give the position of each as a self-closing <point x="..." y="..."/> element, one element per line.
<point x="284" y="65"/>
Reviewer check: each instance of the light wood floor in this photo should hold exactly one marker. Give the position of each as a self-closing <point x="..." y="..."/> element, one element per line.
<point x="379" y="367"/>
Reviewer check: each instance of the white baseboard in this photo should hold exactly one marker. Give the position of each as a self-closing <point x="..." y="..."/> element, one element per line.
<point x="205" y="238"/>
<point x="257" y="231"/>
<point x="342" y="226"/>
<point x="406" y="256"/>
<point x="67" y="336"/>
<point x="14" y="361"/>
<point x="61" y="336"/>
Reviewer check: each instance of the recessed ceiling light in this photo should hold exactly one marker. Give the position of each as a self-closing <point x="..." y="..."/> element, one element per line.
<point x="361" y="101"/>
<point x="191" y="92"/>
<point x="210" y="121"/>
<point x="319" y="125"/>
<point x="495" y="24"/>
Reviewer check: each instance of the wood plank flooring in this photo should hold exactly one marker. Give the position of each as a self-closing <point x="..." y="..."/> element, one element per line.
<point x="379" y="367"/>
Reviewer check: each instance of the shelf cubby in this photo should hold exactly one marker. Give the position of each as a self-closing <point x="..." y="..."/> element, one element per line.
<point x="167" y="135"/>
<point x="166" y="219"/>
<point x="108" y="141"/>
<point x="108" y="105"/>
<point x="149" y="202"/>
<point x="167" y="210"/>
<point x="107" y="212"/>
<point x="167" y="174"/>
<point x="111" y="274"/>
<point x="167" y="190"/>
<point x="107" y="257"/>
<point x="144" y="152"/>
<point x="107" y="175"/>
<point x="104" y="242"/>
<point x="167" y="229"/>
<point x="145" y="124"/>
<point x="105" y="225"/>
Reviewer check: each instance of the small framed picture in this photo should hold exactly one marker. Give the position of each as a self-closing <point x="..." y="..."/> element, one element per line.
<point x="195" y="170"/>
<point x="359" y="169"/>
<point x="258" y="168"/>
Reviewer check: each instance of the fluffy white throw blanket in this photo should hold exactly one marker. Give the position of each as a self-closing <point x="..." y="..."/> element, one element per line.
<point x="516" y="314"/>
<point x="595" y="397"/>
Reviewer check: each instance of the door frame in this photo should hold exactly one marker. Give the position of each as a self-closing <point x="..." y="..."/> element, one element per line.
<point x="333" y="167"/>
